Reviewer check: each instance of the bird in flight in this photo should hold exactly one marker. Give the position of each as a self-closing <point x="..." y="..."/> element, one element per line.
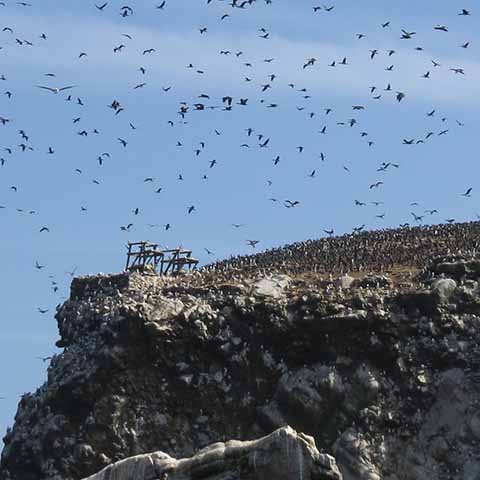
<point x="253" y="243"/>
<point x="407" y="35"/>
<point x="56" y="89"/>
<point x="44" y="359"/>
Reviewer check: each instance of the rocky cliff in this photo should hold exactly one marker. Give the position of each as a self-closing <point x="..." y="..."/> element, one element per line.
<point x="382" y="372"/>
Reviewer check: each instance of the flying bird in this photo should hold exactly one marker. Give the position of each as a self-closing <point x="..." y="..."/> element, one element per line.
<point x="56" y="89"/>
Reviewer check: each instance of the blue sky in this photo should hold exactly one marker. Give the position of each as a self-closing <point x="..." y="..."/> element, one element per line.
<point x="237" y="189"/>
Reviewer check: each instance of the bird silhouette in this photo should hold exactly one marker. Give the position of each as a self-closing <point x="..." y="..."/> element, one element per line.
<point x="56" y="89"/>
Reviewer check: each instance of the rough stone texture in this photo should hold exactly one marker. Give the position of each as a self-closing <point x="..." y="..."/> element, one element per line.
<point x="444" y="288"/>
<point x="272" y="286"/>
<point x="282" y="455"/>
<point x="383" y="375"/>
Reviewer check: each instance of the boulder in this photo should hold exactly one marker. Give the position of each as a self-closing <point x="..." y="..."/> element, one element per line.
<point x="272" y="286"/>
<point x="353" y="451"/>
<point x="311" y="393"/>
<point x="444" y="288"/>
<point x="282" y="455"/>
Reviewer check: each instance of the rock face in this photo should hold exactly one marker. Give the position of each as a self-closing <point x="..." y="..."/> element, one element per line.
<point x="282" y="455"/>
<point x="383" y="375"/>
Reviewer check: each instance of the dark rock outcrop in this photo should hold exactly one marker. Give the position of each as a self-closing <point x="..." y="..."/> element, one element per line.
<point x="383" y="375"/>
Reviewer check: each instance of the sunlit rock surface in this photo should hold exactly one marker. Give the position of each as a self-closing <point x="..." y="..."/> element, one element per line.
<point x="282" y="455"/>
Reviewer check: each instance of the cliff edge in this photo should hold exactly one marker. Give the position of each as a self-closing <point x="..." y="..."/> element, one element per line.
<point x="382" y="373"/>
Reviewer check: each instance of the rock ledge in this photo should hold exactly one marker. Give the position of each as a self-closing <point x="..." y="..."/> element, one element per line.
<point x="282" y="455"/>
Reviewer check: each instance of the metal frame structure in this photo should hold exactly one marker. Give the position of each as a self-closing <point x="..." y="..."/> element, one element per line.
<point x="167" y="261"/>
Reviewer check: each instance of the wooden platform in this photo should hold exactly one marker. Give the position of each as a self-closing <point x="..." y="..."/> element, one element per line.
<point x="142" y="256"/>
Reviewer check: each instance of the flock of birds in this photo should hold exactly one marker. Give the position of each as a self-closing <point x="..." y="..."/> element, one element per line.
<point x="206" y="101"/>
